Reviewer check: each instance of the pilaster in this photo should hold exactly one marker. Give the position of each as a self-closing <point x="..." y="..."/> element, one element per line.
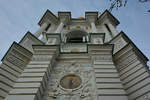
<point x="133" y="72"/>
<point x="91" y="17"/>
<point x="131" y="65"/>
<point x="64" y="19"/>
<point x="108" y="82"/>
<point x="41" y="29"/>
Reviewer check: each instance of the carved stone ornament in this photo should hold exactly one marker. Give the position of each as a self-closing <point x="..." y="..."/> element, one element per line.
<point x="73" y="82"/>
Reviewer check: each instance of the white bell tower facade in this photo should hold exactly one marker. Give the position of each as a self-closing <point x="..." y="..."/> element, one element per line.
<point x="76" y="59"/>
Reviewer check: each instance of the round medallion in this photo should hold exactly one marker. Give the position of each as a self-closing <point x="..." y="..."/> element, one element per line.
<point x="70" y="81"/>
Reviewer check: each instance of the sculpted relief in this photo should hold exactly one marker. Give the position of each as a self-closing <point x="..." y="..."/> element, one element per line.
<point x="72" y="82"/>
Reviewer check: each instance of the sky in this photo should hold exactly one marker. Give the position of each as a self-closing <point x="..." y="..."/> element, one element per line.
<point x="19" y="16"/>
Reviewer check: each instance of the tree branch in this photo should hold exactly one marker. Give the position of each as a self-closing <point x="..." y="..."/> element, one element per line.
<point x="119" y="3"/>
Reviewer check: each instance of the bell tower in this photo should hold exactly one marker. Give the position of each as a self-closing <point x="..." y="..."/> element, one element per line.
<point x="75" y="59"/>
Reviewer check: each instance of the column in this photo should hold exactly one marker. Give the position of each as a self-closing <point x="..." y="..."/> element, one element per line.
<point x="94" y="30"/>
<point x="42" y="28"/>
<point x="83" y="38"/>
<point x="113" y="29"/>
<point x="107" y="34"/>
<point x="43" y="37"/>
<point x="51" y="28"/>
<point x="87" y="38"/>
<point x="60" y="27"/>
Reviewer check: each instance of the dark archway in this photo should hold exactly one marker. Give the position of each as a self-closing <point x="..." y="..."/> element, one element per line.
<point x="76" y="36"/>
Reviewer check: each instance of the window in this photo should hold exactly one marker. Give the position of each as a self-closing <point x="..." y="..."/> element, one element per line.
<point x="77" y="36"/>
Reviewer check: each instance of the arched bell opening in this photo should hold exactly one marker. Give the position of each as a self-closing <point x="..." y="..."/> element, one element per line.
<point x="77" y="36"/>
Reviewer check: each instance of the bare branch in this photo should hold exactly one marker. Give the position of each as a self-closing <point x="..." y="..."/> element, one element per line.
<point x="119" y="3"/>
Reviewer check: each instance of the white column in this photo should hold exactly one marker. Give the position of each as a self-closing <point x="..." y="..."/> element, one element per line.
<point x="65" y="39"/>
<point x="43" y="37"/>
<point x="51" y="28"/>
<point x="94" y="30"/>
<point x="87" y="38"/>
<point x="107" y="34"/>
<point x="113" y="29"/>
<point x="42" y="28"/>
<point x="83" y="38"/>
<point x="60" y="27"/>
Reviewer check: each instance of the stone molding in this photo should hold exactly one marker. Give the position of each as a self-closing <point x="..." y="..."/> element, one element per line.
<point x="13" y="63"/>
<point x="28" y="40"/>
<point x="17" y="55"/>
<point x="97" y="38"/>
<point x="48" y="17"/>
<point x="85" y="91"/>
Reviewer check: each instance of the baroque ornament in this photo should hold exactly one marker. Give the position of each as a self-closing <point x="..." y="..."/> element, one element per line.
<point x="75" y="82"/>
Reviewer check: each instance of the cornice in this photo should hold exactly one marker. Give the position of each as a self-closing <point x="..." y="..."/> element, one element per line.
<point x="64" y="17"/>
<point x="20" y="50"/>
<point x="130" y="44"/>
<point x="29" y="34"/>
<point x="108" y="15"/>
<point x="89" y="16"/>
<point x="48" y="17"/>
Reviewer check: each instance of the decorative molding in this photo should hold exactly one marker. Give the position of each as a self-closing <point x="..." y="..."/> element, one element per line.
<point x="28" y="40"/>
<point x="84" y="91"/>
<point x="15" y="61"/>
<point x="102" y="58"/>
<point x="41" y="58"/>
<point x="17" y="55"/>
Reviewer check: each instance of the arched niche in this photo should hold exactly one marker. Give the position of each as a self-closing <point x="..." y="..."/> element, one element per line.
<point x="77" y="36"/>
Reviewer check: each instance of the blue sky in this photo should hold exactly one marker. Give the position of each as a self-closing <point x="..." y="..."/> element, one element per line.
<point x="19" y="16"/>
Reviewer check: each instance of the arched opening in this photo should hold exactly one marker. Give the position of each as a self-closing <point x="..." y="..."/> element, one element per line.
<point x="77" y="36"/>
